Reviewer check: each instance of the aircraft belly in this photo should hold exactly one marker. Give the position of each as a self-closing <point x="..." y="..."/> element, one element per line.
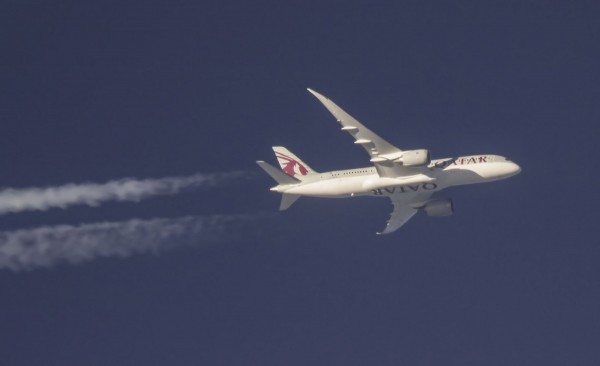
<point x="407" y="190"/>
<point x="342" y="187"/>
<point x="384" y="182"/>
<point x="375" y="186"/>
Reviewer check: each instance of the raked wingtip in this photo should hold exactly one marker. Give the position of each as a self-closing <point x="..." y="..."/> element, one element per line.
<point x="318" y="95"/>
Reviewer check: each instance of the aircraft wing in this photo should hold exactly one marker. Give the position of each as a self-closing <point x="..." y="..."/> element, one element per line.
<point x="369" y="140"/>
<point x="404" y="210"/>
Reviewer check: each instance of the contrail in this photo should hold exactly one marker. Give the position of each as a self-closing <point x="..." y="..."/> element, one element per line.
<point x="51" y="245"/>
<point x="93" y="194"/>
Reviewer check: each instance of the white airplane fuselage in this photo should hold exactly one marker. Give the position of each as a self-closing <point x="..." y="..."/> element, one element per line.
<point x="443" y="173"/>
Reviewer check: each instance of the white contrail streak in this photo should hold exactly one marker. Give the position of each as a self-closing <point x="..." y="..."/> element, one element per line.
<point x="93" y="194"/>
<point x="51" y="245"/>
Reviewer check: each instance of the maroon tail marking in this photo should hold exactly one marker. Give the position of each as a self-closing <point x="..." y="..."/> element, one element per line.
<point x="289" y="166"/>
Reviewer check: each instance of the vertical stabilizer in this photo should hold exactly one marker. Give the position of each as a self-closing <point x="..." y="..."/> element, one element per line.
<point x="291" y="164"/>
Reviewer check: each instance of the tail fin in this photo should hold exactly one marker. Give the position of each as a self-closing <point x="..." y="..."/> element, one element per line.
<point x="291" y="164"/>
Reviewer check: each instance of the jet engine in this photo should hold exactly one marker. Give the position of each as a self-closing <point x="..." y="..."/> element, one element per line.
<point x="438" y="208"/>
<point x="413" y="158"/>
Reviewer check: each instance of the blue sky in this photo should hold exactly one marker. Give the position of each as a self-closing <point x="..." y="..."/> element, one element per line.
<point x="100" y="91"/>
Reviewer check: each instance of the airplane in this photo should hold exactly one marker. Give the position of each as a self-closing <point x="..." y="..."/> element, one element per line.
<point x="409" y="178"/>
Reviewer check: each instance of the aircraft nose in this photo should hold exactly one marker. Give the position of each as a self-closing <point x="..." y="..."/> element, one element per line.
<point x="513" y="169"/>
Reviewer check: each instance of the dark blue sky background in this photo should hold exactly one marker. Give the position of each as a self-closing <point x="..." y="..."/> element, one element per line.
<point x="99" y="90"/>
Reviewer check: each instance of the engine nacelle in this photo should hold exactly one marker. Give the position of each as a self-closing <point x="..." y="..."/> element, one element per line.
<point x="438" y="208"/>
<point x="414" y="158"/>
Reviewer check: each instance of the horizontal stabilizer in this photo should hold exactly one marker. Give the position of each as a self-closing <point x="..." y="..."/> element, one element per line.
<point x="279" y="176"/>
<point x="287" y="200"/>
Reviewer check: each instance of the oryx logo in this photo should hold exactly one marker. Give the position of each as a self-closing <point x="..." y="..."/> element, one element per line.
<point x="289" y="165"/>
